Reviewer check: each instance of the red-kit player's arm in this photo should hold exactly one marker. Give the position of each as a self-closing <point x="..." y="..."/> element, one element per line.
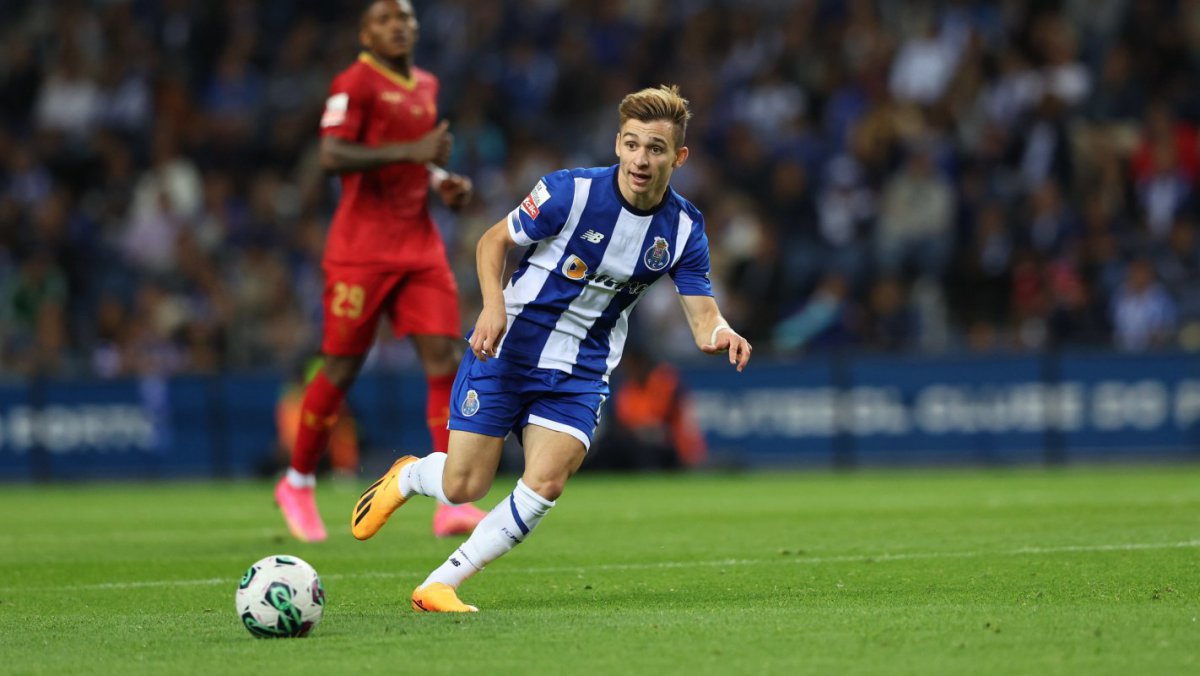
<point x="341" y="124"/>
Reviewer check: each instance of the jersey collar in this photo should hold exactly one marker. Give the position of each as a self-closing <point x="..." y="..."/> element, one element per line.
<point x="408" y="83"/>
<point x="629" y="207"/>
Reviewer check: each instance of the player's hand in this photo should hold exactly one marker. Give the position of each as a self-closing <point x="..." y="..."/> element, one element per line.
<point x="455" y="191"/>
<point x="434" y="146"/>
<point x="493" y="322"/>
<point x="729" y="341"/>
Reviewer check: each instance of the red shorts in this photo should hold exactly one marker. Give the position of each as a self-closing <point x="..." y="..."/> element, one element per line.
<point x="422" y="301"/>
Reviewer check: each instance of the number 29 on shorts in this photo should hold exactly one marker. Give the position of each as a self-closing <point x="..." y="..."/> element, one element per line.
<point x="348" y="300"/>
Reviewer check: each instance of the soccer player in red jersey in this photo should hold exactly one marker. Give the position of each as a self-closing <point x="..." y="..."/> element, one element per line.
<point x="384" y="255"/>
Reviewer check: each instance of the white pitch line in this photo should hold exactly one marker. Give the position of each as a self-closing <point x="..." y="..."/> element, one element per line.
<point x="718" y="563"/>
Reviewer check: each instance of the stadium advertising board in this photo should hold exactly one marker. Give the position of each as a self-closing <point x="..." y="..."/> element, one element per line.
<point x="992" y="410"/>
<point x="817" y="412"/>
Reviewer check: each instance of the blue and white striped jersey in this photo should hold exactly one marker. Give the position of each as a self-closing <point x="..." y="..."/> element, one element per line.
<point x="592" y="257"/>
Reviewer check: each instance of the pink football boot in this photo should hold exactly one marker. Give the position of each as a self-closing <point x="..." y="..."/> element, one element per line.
<point x="300" y="511"/>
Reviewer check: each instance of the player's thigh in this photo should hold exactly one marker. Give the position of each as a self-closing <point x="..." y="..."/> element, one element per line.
<point x="353" y="301"/>
<point x="551" y="457"/>
<point x="558" y="433"/>
<point x="426" y="303"/>
<point x="440" y="355"/>
<point x="572" y="407"/>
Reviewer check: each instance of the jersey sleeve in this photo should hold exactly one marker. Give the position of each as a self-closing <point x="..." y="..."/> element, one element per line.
<point x="691" y="270"/>
<point x="345" y="109"/>
<point x="544" y="211"/>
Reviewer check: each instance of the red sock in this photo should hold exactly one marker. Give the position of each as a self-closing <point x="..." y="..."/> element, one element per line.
<point x="318" y="414"/>
<point x="437" y="410"/>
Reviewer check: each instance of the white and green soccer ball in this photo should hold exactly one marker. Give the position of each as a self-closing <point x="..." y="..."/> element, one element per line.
<point x="280" y="597"/>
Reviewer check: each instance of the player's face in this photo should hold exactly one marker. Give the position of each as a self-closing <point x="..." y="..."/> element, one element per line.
<point x="647" y="155"/>
<point x="389" y="29"/>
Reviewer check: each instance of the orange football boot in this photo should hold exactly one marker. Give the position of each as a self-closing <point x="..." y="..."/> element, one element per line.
<point x="438" y="597"/>
<point x="379" y="501"/>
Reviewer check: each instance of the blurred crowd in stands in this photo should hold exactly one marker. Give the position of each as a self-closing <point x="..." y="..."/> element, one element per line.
<point x="880" y="175"/>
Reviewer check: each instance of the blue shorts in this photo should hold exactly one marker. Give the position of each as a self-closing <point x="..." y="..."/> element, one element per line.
<point x="495" y="397"/>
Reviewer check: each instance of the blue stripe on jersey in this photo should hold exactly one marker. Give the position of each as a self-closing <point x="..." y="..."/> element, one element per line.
<point x="598" y="345"/>
<point x="524" y="264"/>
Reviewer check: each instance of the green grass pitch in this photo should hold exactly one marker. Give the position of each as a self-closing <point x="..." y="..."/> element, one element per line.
<point x="1083" y="570"/>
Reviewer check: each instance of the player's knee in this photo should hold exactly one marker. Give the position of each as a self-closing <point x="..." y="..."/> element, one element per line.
<point x="462" y="489"/>
<point x="439" y="355"/>
<point x="547" y="487"/>
<point x="341" y="371"/>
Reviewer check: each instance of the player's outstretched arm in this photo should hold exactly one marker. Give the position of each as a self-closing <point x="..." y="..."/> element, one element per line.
<point x="454" y="189"/>
<point x="340" y="156"/>
<point x="490" y="255"/>
<point x="712" y="332"/>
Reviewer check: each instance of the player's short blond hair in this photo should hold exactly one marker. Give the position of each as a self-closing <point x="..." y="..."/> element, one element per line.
<point x="658" y="103"/>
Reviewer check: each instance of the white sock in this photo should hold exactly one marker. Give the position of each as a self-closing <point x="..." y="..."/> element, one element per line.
<point x="298" y="480"/>
<point x="424" y="477"/>
<point x="505" y="527"/>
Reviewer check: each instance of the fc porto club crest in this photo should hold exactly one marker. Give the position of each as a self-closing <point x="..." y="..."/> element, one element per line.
<point x="470" y="405"/>
<point x="658" y="255"/>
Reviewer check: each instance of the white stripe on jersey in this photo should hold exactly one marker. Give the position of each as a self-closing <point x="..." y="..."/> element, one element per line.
<point x="620" y="258"/>
<point x="544" y="259"/>
<point x="681" y="236"/>
<point x="616" y="340"/>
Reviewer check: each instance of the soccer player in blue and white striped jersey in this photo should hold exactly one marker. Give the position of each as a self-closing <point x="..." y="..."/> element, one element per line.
<point x="543" y="347"/>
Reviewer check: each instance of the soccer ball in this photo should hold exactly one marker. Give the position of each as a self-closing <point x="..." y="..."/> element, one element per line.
<point x="280" y="597"/>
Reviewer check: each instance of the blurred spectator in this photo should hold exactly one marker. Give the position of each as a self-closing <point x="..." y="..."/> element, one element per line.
<point x="172" y="181"/>
<point x="33" y="314"/>
<point x="1143" y="313"/>
<point x="69" y="99"/>
<point x="653" y="424"/>
<point x="915" y="218"/>
<point x="890" y="322"/>
<point x="1178" y="266"/>
<point x="924" y="66"/>
<point x="845" y="214"/>
<point x="1049" y="224"/>
<point x="827" y="320"/>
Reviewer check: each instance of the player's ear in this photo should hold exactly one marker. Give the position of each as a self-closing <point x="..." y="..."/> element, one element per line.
<point x="681" y="156"/>
<point x="617" y="144"/>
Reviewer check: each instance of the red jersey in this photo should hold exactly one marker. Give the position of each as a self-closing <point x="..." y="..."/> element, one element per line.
<point x="383" y="218"/>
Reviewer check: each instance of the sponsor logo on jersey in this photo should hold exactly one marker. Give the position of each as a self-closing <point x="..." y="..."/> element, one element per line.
<point x="593" y="236"/>
<point x="574" y="267"/>
<point x="335" y="110"/>
<point x="532" y="203"/>
<point x="391" y="97"/>
<point x="470" y="405"/>
<point x="530" y="207"/>
<point x="613" y="284"/>
<point x="658" y="255"/>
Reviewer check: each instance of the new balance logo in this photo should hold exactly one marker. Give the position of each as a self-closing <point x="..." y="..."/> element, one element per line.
<point x="592" y="236"/>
